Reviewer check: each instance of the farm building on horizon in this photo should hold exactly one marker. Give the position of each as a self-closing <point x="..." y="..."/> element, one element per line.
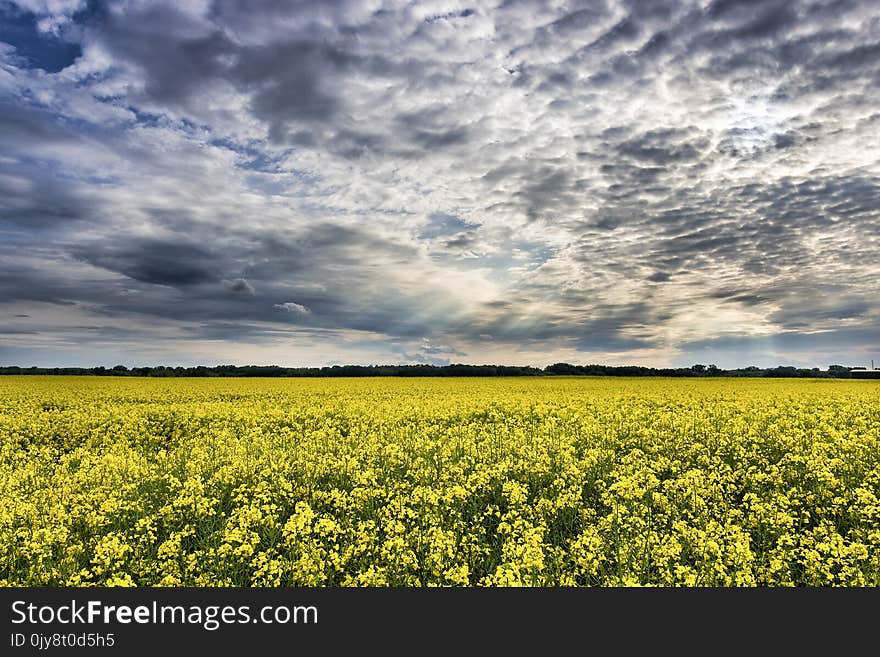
<point x="864" y="372"/>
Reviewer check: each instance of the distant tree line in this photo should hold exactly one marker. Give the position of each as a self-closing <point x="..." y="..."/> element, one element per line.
<point x="565" y="369"/>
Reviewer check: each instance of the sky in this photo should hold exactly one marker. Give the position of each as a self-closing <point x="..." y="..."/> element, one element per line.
<point x="521" y="182"/>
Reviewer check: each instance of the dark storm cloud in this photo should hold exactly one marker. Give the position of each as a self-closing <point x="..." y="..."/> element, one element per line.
<point x="354" y="144"/>
<point x="462" y="241"/>
<point x="623" y="177"/>
<point x="663" y="147"/>
<point x="24" y="125"/>
<point x="324" y="277"/>
<point x="286" y="81"/>
<point x="5" y="331"/>
<point x="239" y="285"/>
<point x="32" y="200"/>
<point x="548" y="192"/>
<point x="20" y="282"/>
<point x="295" y="82"/>
<point x="158" y="262"/>
<point x="432" y="139"/>
<point x="37" y="189"/>
<point x="619" y="327"/>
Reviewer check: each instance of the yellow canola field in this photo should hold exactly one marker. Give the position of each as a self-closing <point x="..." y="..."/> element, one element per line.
<point x="418" y="482"/>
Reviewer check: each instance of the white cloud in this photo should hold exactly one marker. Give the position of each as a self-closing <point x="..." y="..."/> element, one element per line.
<point x="292" y="307"/>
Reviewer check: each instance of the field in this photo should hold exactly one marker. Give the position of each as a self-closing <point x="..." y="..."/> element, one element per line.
<point x="418" y="482"/>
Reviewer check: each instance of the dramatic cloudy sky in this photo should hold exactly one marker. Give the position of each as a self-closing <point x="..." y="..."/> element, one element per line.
<point x="301" y="182"/>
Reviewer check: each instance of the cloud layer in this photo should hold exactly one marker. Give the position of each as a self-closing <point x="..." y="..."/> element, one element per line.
<point x="521" y="182"/>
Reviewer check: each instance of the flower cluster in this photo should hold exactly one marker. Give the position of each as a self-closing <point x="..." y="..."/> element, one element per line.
<point x="439" y="482"/>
